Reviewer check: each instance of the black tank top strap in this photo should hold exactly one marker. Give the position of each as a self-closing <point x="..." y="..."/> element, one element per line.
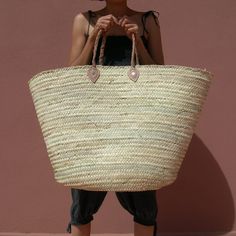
<point x="90" y="13"/>
<point x="146" y="14"/>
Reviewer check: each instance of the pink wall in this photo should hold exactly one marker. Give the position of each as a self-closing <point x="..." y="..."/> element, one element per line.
<point x="35" y="36"/>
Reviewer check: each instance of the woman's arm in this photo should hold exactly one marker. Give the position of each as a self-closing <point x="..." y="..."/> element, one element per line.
<point x="81" y="50"/>
<point x="154" y="54"/>
<point x="144" y="56"/>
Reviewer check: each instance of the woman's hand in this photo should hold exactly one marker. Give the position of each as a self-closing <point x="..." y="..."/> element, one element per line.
<point x="104" y="23"/>
<point x="129" y="26"/>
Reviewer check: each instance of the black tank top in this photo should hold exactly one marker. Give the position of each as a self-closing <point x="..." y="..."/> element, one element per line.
<point x="118" y="48"/>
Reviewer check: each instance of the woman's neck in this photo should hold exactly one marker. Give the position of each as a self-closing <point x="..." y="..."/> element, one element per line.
<point x="116" y="9"/>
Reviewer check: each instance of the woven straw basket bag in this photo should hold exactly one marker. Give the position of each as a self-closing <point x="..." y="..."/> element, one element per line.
<point x="118" y="128"/>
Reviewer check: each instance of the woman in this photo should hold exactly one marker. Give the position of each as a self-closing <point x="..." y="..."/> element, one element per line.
<point x="118" y="22"/>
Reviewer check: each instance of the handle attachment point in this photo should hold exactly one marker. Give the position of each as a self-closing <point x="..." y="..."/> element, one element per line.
<point x="93" y="73"/>
<point x="133" y="73"/>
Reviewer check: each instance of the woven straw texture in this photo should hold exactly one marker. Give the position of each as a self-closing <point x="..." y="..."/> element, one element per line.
<point x="117" y="134"/>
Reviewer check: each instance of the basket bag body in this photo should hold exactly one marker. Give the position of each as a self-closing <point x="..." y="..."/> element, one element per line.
<point x="118" y="128"/>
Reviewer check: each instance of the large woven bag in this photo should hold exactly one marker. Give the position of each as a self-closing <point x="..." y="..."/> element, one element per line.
<point x="118" y="128"/>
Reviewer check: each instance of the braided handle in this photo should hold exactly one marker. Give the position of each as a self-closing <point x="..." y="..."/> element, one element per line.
<point x="93" y="72"/>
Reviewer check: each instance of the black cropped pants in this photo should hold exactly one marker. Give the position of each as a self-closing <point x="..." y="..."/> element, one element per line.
<point x="142" y="205"/>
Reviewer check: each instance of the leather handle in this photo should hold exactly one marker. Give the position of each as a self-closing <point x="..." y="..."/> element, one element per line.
<point x="93" y="72"/>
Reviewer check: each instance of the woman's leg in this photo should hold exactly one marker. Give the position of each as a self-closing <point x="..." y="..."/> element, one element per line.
<point x="143" y="206"/>
<point x="82" y="230"/>
<point x="84" y="204"/>
<point x="140" y="230"/>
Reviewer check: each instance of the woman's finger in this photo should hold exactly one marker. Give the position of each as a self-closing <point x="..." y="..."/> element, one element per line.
<point x="124" y="21"/>
<point x="106" y="22"/>
<point x="132" y="29"/>
<point x="121" y="19"/>
<point x="111" y="18"/>
<point x="102" y="26"/>
<point x="130" y="25"/>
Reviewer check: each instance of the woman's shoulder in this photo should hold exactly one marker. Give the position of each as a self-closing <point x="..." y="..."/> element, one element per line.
<point x="152" y="13"/>
<point x="81" y="22"/>
<point x="149" y="17"/>
<point x="84" y="14"/>
<point x="81" y="17"/>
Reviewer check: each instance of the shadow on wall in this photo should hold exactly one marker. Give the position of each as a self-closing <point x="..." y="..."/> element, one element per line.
<point x="200" y="199"/>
